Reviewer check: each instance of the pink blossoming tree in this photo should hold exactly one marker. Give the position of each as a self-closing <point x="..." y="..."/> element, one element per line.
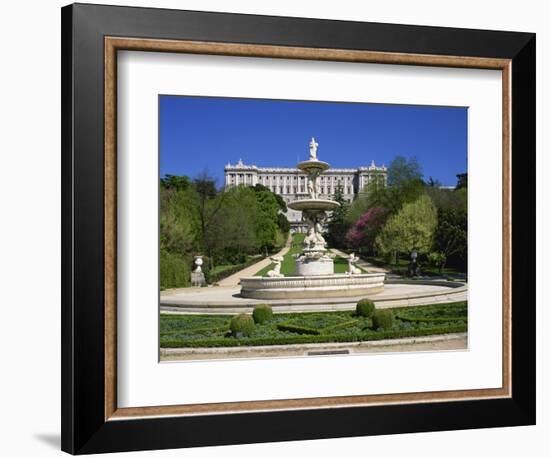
<point x="362" y="234"/>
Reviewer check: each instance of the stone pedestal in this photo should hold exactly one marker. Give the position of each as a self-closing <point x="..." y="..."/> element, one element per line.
<point x="307" y="267"/>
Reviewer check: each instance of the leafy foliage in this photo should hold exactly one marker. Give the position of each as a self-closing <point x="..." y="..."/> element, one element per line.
<point x="228" y="227"/>
<point x="363" y="233"/>
<point x="410" y="229"/>
<point x="262" y="313"/>
<point x="293" y="328"/>
<point x="337" y="227"/>
<point x="383" y="319"/>
<point x="241" y="325"/>
<point x="365" y="307"/>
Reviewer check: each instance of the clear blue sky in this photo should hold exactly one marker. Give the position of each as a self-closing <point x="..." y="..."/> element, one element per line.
<point x="198" y="133"/>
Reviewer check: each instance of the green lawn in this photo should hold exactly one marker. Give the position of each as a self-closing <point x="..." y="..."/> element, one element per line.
<point x="341" y="265"/>
<point x="292" y="328"/>
<point x="287" y="266"/>
<point x="217" y="270"/>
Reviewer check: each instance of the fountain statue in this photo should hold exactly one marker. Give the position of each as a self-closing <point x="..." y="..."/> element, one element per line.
<point x="314" y="275"/>
<point x="352" y="269"/>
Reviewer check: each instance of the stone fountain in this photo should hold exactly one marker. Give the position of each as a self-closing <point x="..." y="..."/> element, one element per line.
<point x="314" y="274"/>
<point x="314" y="259"/>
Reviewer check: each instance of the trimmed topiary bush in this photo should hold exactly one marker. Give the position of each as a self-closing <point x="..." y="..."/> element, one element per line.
<point x="382" y="319"/>
<point x="262" y="313"/>
<point x="365" y="307"/>
<point x="241" y="325"/>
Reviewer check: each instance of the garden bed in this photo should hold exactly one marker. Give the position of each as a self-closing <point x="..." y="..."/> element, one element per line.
<point x="178" y="331"/>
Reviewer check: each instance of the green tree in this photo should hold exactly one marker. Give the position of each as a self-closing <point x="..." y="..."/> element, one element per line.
<point x="175" y="182"/>
<point x="402" y="171"/>
<point x="462" y="180"/>
<point x="177" y="231"/>
<point x="405" y="184"/>
<point x="268" y="233"/>
<point x="412" y="228"/>
<point x="236" y="225"/>
<point x="451" y="235"/>
<point x="208" y="203"/>
<point x="337" y="226"/>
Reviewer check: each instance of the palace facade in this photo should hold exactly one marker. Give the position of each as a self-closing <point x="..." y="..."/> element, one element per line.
<point x="291" y="183"/>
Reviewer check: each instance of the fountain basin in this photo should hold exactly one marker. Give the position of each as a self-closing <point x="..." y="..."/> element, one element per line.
<point x="300" y="287"/>
<point x="313" y="204"/>
<point x="312" y="166"/>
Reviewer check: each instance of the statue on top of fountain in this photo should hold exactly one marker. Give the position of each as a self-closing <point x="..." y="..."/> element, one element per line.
<point x="313" y="149"/>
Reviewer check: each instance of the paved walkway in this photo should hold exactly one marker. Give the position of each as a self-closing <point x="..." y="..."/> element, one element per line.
<point x="250" y="271"/>
<point x="227" y="300"/>
<point x="367" y="266"/>
<point x="442" y="342"/>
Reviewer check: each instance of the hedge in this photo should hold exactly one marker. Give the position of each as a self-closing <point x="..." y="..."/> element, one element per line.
<point x="174" y="270"/>
<point x="431" y="320"/>
<point x="337" y="326"/>
<point x="297" y="329"/>
<point x="319" y="338"/>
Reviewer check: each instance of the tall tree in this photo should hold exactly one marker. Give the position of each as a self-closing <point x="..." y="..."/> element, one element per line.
<point x="337" y="226"/>
<point x="462" y="180"/>
<point x="363" y="233"/>
<point x="451" y="235"/>
<point x="208" y="205"/>
<point x="405" y="185"/>
<point x="412" y="228"/>
<point x="175" y="182"/>
<point x="267" y="223"/>
<point x="402" y="171"/>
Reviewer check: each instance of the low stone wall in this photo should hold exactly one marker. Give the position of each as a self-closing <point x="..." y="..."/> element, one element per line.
<point x="335" y="285"/>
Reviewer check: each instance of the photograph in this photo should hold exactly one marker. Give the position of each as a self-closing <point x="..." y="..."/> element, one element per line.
<point x="310" y="228"/>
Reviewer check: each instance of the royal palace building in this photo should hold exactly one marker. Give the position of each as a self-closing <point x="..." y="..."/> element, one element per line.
<point x="291" y="183"/>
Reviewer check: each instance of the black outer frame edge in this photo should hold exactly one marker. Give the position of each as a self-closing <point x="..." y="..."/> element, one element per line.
<point x="67" y="413"/>
<point x="524" y="236"/>
<point x="83" y="427"/>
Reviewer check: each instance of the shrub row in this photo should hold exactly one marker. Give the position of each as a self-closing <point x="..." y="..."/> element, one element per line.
<point x="174" y="270"/>
<point x="297" y="329"/>
<point x="432" y="320"/>
<point x="339" y="326"/>
<point x="318" y="338"/>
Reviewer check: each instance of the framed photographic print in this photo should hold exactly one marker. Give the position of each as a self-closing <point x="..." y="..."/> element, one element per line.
<point x="282" y="228"/>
